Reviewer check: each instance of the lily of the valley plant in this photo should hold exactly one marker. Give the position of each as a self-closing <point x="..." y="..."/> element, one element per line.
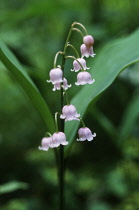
<point x="68" y="111"/>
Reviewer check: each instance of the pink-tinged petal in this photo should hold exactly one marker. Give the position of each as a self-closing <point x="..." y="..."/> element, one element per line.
<point x="45" y="144"/>
<point x="63" y="138"/>
<point x="84" y="78"/>
<point x="57" y="86"/>
<point x="88" y="40"/>
<point x="69" y="113"/>
<point x="77" y="115"/>
<point x="59" y="138"/>
<point x="91" y="138"/>
<point x="85" y="134"/>
<point x="65" y="84"/>
<point x="56" y="76"/>
<point x="77" y="66"/>
<point x="62" y="116"/>
<point x="87" y="51"/>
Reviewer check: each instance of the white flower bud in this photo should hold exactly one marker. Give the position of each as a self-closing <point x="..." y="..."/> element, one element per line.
<point x="88" y="40"/>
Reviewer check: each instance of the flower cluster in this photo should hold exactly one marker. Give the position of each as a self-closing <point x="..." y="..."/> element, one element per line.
<point x="68" y="111"/>
<point x="80" y="63"/>
<point x="87" y="47"/>
<point x="54" y="141"/>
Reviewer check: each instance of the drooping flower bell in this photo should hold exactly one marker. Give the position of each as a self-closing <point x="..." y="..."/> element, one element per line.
<point x="77" y="66"/>
<point x="45" y="143"/>
<point x="54" y="141"/>
<point x="87" y="51"/>
<point x="56" y="76"/>
<point x="57" y="86"/>
<point x="88" y="40"/>
<point x="85" y="134"/>
<point x="84" y="78"/>
<point x="65" y="84"/>
<point x="69" y="113"/>
<point x="58" y="138"/>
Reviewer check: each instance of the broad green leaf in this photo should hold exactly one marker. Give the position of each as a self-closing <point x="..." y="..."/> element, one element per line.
<point x="12" y="186"/>
<point x="107" y="64"/>
<point x="104" y="122"/>
<point x="12" y="64"/>
<point x="130" y="116"/>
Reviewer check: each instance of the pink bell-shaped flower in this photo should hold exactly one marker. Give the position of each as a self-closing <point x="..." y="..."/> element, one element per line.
<point x="85" y="134"/>
<point x="58" y="138"/>
<point x="45" y="144"/>
<point x="65" y="84"/>
<point x="69" y="113"/>
<point x="84" y="78"/>
<point x="77" y="66"/>
<point x="87" y="51"/>
<point x="57" y="86"/>
<point x="88" y="40"/>
<point x="56" y="76"/>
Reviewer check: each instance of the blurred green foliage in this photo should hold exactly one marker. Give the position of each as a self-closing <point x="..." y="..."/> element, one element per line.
<point x="102" y="174"/>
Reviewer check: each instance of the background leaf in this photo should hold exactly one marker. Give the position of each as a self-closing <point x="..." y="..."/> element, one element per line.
<point x="130" y="116"/>
<point x="11" y="63"/>
<point x="12" y="186"/>
<point x="108" y="63"/>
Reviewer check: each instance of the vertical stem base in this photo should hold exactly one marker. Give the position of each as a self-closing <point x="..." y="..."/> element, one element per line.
<point x="61" y="178"/>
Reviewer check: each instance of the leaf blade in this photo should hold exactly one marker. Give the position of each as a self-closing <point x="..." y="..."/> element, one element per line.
<point x="129" y="118"/>
<point x="108" y="64"/>
<point x="11" y="63"/>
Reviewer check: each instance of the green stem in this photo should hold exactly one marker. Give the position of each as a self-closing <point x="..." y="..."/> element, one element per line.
<point x="61" y="178"/>
<point x="48" y="134"/>
<point x="61" y="164"/>
<point x="67" y="40"/>
<point x="56" y="123"/>
<point x="61" y="150"/>
<point x="56" y="56"/>
<point x="61" y="157"/>
<point x="78" y="30"/>
<point x="82" y="122"/>
<point x="67" y="99"/>
<point x="70" y="45"/>
<point x="76" y="23"/>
